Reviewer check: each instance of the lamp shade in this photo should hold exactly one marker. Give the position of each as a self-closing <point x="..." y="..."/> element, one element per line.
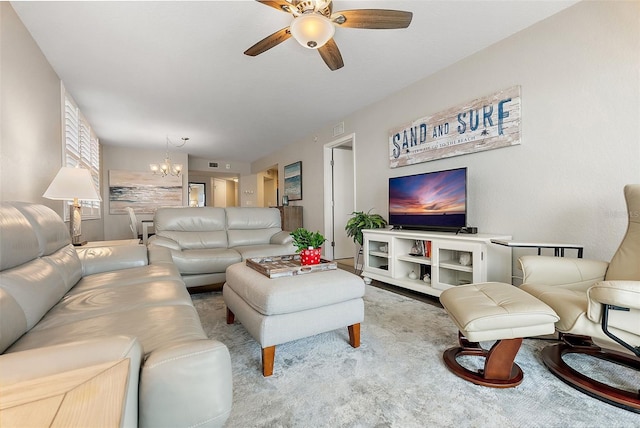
<point x="71" y="183"/>
<point x="312" y="30"/>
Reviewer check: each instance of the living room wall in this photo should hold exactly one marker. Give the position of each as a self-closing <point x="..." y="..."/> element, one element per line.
<point x="578" y="71"/>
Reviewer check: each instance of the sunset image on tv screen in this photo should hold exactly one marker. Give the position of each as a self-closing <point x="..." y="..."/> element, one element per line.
<point x="440" y="193"/>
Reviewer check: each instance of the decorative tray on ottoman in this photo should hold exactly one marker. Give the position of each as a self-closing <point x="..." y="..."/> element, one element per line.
<point x="279" y="266"/>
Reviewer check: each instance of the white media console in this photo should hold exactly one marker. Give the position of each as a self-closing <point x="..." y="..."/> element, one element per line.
<point x="404" y="257"/>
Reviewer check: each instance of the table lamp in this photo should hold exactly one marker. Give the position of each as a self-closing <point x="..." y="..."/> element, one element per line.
<point x="73" y="184"/>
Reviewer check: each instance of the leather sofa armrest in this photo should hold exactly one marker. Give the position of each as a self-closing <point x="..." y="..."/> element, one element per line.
<point x="161" y="241"/>
<point x="571" y="273"/>
<point x="281" y="238"/>
<point x="199" y="372"/>
<point x="159" y="254"/>
<point x="36" y="363"/>
<point x="104" y="259"/>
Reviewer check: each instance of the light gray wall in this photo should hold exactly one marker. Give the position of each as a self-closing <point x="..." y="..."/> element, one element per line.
<point x="30" y="120"/>
<point x="224" y="167"/>
<point x="116" y="226"/>
<point x="580" y="135"/>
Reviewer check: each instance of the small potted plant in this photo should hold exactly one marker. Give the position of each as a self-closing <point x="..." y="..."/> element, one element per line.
<point x="308" y="244"/>
<point x="362" y="220"/>
<point x="357" y="223"/>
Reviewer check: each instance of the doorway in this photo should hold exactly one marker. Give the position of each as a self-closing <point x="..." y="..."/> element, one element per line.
<point x="340" y="197"/>
<point x="197" y="194"/>
<point x="270" y="187"/>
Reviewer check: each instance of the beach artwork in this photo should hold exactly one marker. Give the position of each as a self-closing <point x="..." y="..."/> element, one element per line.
<point x="142" y="191"/>
<point x="293" y="181"/>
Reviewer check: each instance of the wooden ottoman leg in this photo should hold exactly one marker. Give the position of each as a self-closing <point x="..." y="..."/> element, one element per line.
<point x="230" y="316"/>
<point x="499" y="363"/>
<point x="268" y="356"/>
<point x="354" y="335"/>
<point x="500" y="369"/>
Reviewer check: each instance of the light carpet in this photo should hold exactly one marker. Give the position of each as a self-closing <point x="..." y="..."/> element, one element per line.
<point x="396" y="378"/>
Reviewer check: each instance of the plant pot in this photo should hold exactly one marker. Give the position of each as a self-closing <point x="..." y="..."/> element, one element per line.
<point x="310" y="256"/>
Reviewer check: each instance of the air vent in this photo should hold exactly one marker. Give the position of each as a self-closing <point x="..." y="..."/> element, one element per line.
<point x="213" y="164"/>
<point x="338" y="129"/>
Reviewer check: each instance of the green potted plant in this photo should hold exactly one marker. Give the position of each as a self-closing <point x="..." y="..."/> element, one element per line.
<point x="308" y="245"/>
<point x="357" y="223"/>
<point x="362" y="220"/>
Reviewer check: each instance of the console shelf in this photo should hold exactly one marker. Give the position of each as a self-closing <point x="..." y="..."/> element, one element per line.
<point x="447" y="259"/>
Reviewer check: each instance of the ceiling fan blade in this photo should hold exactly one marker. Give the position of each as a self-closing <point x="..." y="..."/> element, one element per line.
<point x="372" y="18"/>
<point x="331" y="55"/>
<point x="268" y="42"/>
<point x="281" y="5"/>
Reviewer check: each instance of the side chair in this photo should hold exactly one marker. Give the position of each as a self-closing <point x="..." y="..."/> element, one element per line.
<point x="133" y="224"/>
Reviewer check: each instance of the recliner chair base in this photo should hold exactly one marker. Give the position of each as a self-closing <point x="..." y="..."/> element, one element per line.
<point x="552" y="358"/>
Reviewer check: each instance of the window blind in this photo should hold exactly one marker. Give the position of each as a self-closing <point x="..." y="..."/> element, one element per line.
<point x="81" y="148"/>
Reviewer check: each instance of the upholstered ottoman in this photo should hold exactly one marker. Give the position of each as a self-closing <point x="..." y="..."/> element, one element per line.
<point x="494" y="311"/>
<point x="279" y="310"/>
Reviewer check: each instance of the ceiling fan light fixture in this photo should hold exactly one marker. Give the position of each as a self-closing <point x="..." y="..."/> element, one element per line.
<point x="312" y="30"/>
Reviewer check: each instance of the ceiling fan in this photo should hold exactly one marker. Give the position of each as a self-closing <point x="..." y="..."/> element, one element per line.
<point x="314" y="24"/>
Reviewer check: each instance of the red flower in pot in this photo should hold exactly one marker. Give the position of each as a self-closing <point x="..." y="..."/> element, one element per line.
<point x="308" y="244"/>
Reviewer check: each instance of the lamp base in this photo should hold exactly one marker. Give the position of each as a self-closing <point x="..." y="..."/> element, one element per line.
<point x="75" y="221"/>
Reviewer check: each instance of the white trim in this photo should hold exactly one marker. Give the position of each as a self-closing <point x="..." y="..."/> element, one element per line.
<point x="328" y="249"/>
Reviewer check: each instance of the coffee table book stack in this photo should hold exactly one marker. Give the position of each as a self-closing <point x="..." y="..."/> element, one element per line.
<point x="289" y="265"/>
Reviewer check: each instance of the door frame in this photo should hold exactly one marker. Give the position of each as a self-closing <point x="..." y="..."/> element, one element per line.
<point x="328" y="184"/>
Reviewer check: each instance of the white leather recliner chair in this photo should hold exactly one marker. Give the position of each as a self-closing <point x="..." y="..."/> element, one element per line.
<point x="599" y="308"/>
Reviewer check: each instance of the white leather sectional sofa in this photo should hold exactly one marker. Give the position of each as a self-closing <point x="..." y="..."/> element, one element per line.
<point x="205" y="241"/>
<point x="64" y="308"/>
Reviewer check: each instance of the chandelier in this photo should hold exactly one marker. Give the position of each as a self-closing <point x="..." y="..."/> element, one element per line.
<point x="166" y="167"/>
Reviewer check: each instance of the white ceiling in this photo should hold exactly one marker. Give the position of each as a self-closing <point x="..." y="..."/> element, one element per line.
<point x="143" y="70"/>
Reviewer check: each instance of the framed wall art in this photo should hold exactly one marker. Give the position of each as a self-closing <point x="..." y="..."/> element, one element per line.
<point x="293" y="181"/>
<point x="142" y="191"/>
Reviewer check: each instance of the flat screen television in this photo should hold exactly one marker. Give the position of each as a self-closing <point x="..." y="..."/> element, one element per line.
<point x="434" y="201"/>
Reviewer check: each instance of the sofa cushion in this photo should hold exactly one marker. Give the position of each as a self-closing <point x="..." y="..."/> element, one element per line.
<point x="153" y="326"/>
<point x="52" y="233"/>
<point x="13" y="322"/>
<point x="574" y="303"/>
<point x="100" y="301"/>
<point x="192" y="228"/>
<point x="106" y="259"/>
<point x="126" y="277"/>
<point x="251" y="226"/>
<point x="250" y="237"/>
<point x="243" y="218"/>
<point x="38" y="285"/>
<point x="205" y="260"/>
<point x="19" y="243"/>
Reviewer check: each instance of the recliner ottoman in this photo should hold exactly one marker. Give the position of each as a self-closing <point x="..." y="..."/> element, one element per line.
<point x="279" y="310"/>
<point x="493" y="311"/>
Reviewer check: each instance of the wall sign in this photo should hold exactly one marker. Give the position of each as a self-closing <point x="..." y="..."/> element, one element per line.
<point x="485" y="123"/>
